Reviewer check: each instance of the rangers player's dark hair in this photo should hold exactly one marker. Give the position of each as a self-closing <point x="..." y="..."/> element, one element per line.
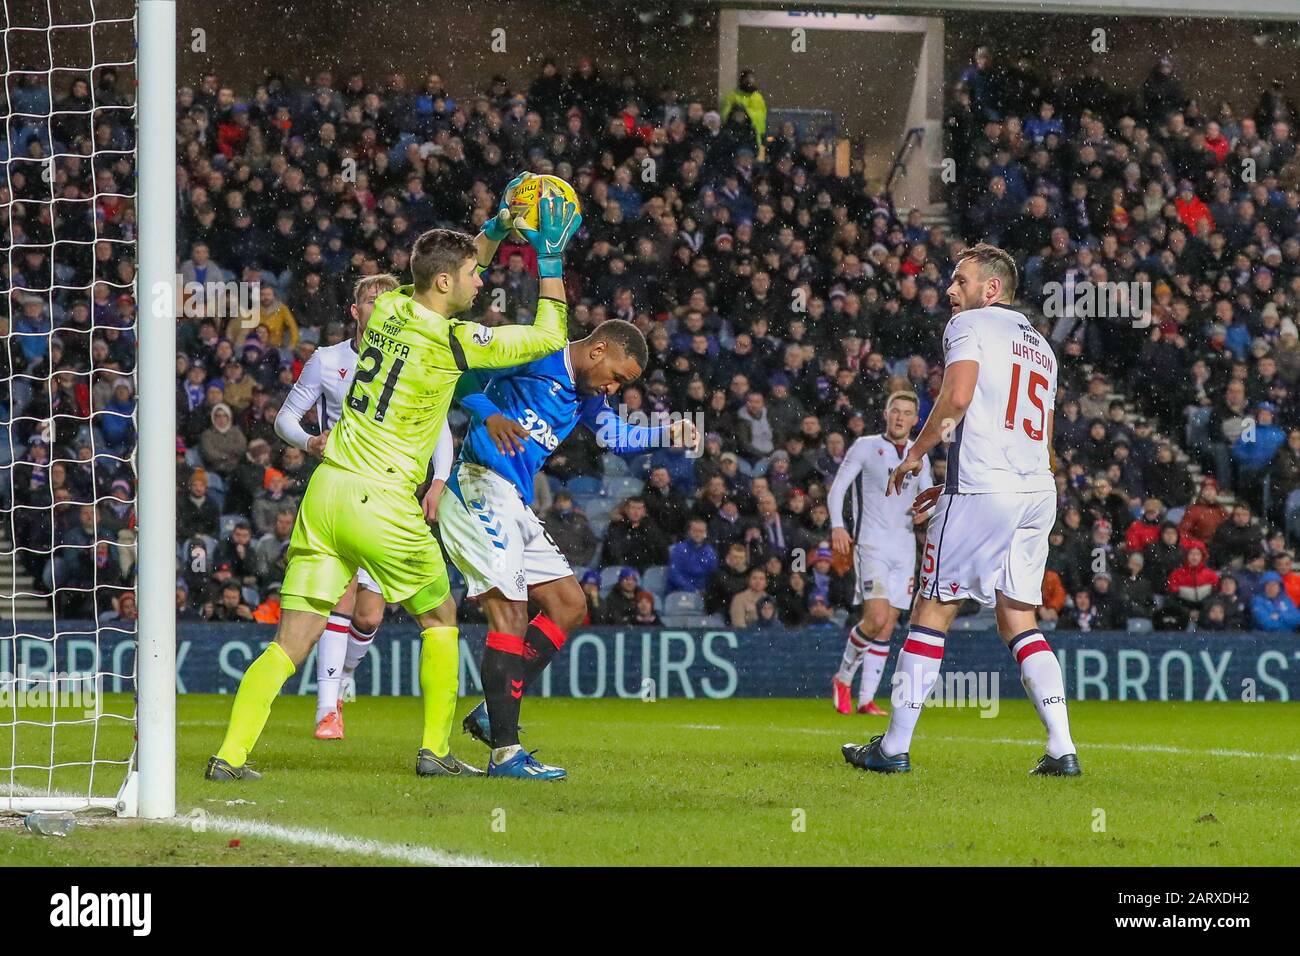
<point x="994" y="262"/>
<point x="625" y="336"/>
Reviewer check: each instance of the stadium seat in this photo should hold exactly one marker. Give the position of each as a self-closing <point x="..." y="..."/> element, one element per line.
<point x="655" y="580"/>
<point x="583" y="485"/>
<point x="609" y="577"/>
<point x="228" y="523"/>
<point x="622" y="486"/>
<point x="685" y="620"/>
<point x="597" y="509"/>
<point x="683" y="603"/>
<point x="1138" y="625"/>
<point x="613" y="465"/>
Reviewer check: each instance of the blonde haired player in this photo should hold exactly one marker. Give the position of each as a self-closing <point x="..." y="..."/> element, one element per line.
<point x="322" y="385"/>
<point x="882" y="543"/>
<point x="987" y="538"/>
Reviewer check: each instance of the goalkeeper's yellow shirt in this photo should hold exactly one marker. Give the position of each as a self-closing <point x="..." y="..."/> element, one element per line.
<point x="406" y="373"/>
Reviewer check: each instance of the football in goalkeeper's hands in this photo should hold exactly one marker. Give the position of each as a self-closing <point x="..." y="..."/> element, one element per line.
<point x="524" y="200"/>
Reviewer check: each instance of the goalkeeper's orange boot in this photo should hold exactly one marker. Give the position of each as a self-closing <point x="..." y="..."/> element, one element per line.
<point x="842" y="694"/>
<point x="331" y="725"/>
<point x="874" y="709"/>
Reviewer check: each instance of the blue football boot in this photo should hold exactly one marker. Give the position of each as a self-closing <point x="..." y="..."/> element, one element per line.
<point x="524" y="766"/>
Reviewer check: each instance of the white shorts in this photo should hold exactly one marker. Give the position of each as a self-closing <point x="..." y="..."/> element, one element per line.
<point x="882" y="575"/>
<point x="364" y="580"/>
<point x="493" y="537"/>
<point x="979" y="544"/>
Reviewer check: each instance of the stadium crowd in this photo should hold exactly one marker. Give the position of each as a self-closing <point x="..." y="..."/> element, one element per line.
<point x="782" y="302"/>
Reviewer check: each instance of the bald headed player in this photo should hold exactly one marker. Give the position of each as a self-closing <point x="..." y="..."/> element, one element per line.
<point x="987" y="538"/>
<point x="494" y="538"/>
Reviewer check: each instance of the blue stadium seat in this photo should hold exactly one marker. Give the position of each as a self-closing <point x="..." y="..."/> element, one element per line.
<point x="613" y="465"/>
<point x="228" y="523"/>
<point x="609" y="577"/>
<point x="597" y="510"/>
<point x="1138" y="625"/>
<point x="684" y="603"/>
<point x="583" y="485"/>
<point x="622" y="486"/>
<point x="655" y="580"/>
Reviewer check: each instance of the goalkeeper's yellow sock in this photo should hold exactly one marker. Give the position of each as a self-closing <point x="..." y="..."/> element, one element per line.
<point x="257" y="691"/>
<point x="439" y="685"/>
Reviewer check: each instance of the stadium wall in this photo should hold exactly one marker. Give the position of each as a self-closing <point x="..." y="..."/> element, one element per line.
<point x="450" y="37"/>
<point x="718" y="664"/>
<point x="1216" y="58"/>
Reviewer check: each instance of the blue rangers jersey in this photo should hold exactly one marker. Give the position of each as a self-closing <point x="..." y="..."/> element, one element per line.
<point x="542" y="397"/>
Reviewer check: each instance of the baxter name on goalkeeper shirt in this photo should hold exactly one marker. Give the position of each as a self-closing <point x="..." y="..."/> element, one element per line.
<point x="410" y="359"/>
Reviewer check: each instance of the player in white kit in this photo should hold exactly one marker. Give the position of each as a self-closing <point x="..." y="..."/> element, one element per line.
<point x="883" y="546"/>
<point x="987" y="538"/>
<point x="323" y="384"/>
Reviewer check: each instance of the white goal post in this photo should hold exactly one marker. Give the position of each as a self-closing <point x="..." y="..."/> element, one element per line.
<point x="156" y="451"/>
<point x="148" y="771"/>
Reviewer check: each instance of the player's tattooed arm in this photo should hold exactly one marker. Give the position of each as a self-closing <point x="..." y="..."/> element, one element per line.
<point x="955" y="396"/>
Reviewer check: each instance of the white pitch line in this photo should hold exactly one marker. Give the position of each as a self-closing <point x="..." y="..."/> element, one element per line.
<point x="1085" y="747"/>
<point x="304" y="836"/>
<point x="325" y="840"/>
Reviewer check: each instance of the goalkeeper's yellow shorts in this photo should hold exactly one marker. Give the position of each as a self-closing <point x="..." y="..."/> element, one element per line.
<point x="345" y="523"/>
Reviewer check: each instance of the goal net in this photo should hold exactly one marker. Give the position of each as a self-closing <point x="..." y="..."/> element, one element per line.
<point x="71" y="380"/>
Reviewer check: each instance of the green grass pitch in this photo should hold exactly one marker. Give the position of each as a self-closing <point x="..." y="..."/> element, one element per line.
<point x="717" y="782"/>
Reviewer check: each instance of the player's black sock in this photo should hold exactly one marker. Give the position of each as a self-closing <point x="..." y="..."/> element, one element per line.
<point x="503" y="685"/>
<point x="542" y="641"/>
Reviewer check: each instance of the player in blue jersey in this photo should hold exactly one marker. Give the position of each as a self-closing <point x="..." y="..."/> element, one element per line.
<point x="489" y="530"/>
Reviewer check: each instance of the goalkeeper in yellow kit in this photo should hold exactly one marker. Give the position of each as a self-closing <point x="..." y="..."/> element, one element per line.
<point x="360" y="508"/>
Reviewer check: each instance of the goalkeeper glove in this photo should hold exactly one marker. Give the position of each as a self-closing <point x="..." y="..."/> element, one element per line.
<point x="499" y="226"/>
<point x="557" y="222"/>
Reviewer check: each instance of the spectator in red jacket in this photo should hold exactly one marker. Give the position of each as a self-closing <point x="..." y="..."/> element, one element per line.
<point x="1194" y="582"/>
<point x="1191" y="210"/>
<point x="1146" y="529"/>
<point x="1203" y="518"/>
